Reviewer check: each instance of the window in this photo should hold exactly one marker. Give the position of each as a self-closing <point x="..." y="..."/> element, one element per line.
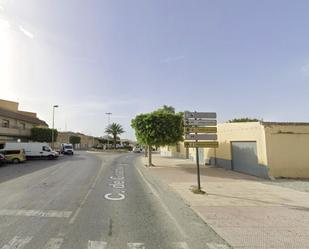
<point x="46" y="148"/>
<point x="6" y="123"/>
<point x="23" y="126"/>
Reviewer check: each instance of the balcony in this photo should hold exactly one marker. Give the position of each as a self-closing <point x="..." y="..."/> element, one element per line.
<point x="15" y="132"/>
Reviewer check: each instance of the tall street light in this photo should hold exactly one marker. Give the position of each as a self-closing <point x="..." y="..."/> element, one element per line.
<point x="108" y="115"/>
<point x="55" y="106"/>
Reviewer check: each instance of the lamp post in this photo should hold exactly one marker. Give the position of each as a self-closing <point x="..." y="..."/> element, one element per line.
<point x="55" y="106"/>
<point x="108" y="115"/>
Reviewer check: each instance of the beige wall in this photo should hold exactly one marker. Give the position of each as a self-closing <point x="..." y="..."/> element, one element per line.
<point x="85" y="141"/>
<point x="9" y="105"/>
<point x="288" y="150"/>
<point x="231" y="132"/>
<point x="178" y="150"/>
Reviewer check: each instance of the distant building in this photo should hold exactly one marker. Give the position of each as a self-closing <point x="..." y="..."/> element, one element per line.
<point x="15" y="124"/>
<point x="86" y="142"/>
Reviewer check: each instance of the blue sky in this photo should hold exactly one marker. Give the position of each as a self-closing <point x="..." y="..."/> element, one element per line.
<point x="238" y="58"/>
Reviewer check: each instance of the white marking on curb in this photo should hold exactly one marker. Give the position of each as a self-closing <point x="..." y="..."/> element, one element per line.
<point x="180" y="245"/>
<point x="35" y="213"/>
<point x="156" y="194"/>
<point x="17" y="243"/>
<point x="54" y="243"/>
<point x="136" y="245"/>
<point x="86" y="196"/>
<point x="96" y="244"/>
<point x="217" y="246"/>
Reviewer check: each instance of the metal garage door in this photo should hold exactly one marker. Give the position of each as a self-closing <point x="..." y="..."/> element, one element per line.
<point x="244" y="159"/>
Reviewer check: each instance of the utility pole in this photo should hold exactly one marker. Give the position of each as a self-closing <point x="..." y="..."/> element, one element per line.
<point x="108" y="115"/>
<point x="55" y="106"/>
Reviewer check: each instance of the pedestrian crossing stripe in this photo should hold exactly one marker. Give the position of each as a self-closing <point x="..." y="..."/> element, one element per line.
<point x="136" y="245"/>
<point x="217" y="246"/>
<point x="17" y="243"/>
<point x="96" y="244"/>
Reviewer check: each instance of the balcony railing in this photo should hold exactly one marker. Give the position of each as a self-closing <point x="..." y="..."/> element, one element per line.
<point x="15" y="131"/>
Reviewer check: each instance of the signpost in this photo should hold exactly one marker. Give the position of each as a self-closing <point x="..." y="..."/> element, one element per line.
<point x="201" y="137"/>
<point x="200" y="130"/>
<point x="197" y="126"/>
<point x="200" y="122"/>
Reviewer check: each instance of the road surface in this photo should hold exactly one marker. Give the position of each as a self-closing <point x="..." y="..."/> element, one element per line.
<point x="95" y="201"/>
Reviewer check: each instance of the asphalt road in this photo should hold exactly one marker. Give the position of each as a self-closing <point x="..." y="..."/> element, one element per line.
<point x="95" y="201"/>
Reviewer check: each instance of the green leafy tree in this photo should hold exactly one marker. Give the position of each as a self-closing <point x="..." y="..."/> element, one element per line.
<point x="114" y="129"/>
<point x="74" y="140"/>
<point x="43" y="134"/>
<point x="240" y="120"/>
<point x="159" y="128"/>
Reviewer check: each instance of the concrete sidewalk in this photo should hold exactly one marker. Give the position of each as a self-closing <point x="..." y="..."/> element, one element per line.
<point x="242" y="209"/>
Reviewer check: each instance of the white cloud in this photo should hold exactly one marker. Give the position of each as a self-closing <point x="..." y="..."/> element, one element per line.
<point x="172" y="59"/>
<point x="26" y="32"/>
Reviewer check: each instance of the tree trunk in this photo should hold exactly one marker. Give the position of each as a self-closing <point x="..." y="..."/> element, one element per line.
<point x="115" y="141"/>
<point x="146" y="151"/>
<point x="149" y="156"/>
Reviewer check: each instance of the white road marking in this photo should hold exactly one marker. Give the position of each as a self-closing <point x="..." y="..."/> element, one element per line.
<point x="217" y="246"/>
<point x="96" y="244"/>
<point x="54" y="243"/>
<point x="180" y="245"/>
<point x="136" y="245"/>
<point x="86" y="196"/>
<point x="35" y="213"/>
<point x="156" y="194"/>
<point x="17" y="243"/>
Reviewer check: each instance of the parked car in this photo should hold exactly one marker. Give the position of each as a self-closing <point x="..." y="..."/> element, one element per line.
<point x="14" y="156"/>
<point x="33" y="149"/>
<point x="67" y="149"/>
<point x="136" y="150"/>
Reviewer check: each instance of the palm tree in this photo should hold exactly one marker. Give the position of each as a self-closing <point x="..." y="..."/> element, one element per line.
<point x="114" y="129"/>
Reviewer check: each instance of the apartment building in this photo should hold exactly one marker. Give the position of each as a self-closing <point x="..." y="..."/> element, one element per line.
<point x="15" y="124"/>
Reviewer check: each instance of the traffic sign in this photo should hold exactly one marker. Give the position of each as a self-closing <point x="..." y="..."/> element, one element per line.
<point x="201" y="137"/>
<point x="200" y="129"/>
<point x="200" y="115"/>
<point x="210" y="144"/>
<point x="200" y="122"/>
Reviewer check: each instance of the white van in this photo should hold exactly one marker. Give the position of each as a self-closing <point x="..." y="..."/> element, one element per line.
<point x="67" y="149"/>
<point x="33" y="149"/>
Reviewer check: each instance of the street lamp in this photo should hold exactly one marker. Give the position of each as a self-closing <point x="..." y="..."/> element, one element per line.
<point x="108" y="115"/>
<point x="55" y="106"/>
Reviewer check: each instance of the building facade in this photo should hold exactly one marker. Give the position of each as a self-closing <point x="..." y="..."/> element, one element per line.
<point x="16" y="124"/>
<point x="263" y="149"/>
<point x="86" y="142"/>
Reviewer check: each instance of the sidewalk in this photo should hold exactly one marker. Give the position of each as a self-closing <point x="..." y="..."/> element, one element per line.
<point x="243" y="210"/>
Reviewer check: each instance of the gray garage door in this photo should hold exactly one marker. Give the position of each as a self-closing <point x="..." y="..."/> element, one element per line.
<point x="244" y="159"/>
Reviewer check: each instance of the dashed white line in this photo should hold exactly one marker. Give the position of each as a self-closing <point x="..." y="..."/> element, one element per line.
<point x="217" y="246"/>
<point x="86" y="196"/>
<point x="156" y="194"/>
<point x="35" y="213"/>
<point x="136" y="245"/>
<point x="96" y="244"/>
<point x="54" y="243"/>
<point x="17" y="243"/>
